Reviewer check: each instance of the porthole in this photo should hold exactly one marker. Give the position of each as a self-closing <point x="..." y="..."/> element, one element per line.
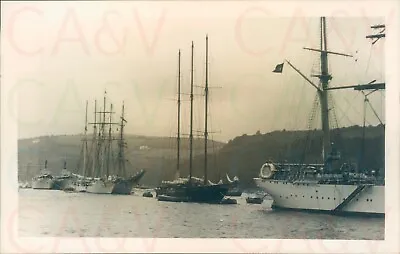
<point x="303" y="196"/>
<point x="370" y="200"/>
<point x="291" y="195"/>
<point x="357" y="199"/>
<point x="296" y="196"/>
<point x="316" y="197"/>
<point x="311" y="196"/>
<point x="367" y="199"/>
<point x="334" y="198"/>
<point x="316" y="190"/>
<point x="322" y="198"/>
<point x="328" y="198"/>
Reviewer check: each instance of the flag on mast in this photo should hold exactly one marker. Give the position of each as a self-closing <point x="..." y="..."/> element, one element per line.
<point x="278" y="68"/>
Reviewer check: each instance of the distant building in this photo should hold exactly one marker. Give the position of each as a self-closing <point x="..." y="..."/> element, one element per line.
<point x="144" y="148"/>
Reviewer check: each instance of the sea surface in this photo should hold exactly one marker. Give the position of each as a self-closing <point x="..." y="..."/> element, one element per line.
<point x="57" y="213"/>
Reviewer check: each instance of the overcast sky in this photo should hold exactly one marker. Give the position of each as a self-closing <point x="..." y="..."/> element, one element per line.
<point x="58" y="55"/>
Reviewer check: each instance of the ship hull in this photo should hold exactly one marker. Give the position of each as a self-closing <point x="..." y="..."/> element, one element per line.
<point x="61" y="184"/>
<point x="75" y="186"/>
<point x="234" y="192"/>
<point x="100" y="187"/>
<point x="43" y="184"/>
<point x="207" y="194"/>
<point x="196" y="194"/>
<point x="324" y="197"/>
<point x="123" y="187"/>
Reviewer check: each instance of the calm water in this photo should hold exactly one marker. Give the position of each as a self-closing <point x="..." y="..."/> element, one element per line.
<point x="57" y="213"/>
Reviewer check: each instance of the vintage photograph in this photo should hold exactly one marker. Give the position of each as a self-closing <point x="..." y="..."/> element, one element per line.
<point x="195" y="120"/>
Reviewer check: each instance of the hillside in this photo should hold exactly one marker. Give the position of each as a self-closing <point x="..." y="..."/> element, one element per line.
<point x="142" y="152"/>
<point x="242" y="156"/>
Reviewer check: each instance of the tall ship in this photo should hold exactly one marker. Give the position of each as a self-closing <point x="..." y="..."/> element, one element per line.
<point x="102" y="168"/>
<point x="192" y="189"/>
<point x="332" y="186"/>
<point x="44" y="180"/>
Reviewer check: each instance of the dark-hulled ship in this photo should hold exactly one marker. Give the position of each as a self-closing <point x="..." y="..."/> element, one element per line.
<point x="192" y="189"/>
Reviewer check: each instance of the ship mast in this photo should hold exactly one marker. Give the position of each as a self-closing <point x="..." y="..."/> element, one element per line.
<point x="94" y="140"/>
<point x="206" y="116"/>
<point x="109" y="142"/>
<point x="85" y="141"/>
<point x="178" y="138"/>
<point x="323" y="94"/>
<point x="322" y="89"/>
<point x="191" y="120"/>
<point x="103" y="136"/>
<point x="121" y="156"/>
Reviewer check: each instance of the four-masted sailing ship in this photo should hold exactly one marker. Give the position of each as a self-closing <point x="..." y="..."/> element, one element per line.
<point x="102" y="173"/>
<point x="192" y="189"/>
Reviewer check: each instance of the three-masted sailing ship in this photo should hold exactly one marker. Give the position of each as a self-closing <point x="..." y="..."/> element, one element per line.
<point x="101" y="172"/>
<point x="330" y="186"/>
<point x="192" y="189"/>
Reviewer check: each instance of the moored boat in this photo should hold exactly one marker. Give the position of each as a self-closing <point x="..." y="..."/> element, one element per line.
<point x="192" y="189"/>
<point x="124" y="186"/>
<point x="331" y="186"/>
<point x="44" y="180"/>
<point x="64" y="180"/>
<point x="101" y="172"/>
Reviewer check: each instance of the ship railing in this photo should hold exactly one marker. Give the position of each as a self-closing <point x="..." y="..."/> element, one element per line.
<point x="280" y="164"/>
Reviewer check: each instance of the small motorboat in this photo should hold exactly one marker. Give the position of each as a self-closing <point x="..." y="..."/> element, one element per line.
<point x="172" y="198"/>
<point x="254" y="200"/>
<point x="148" y="194"/>
<point x="229" y="201"/>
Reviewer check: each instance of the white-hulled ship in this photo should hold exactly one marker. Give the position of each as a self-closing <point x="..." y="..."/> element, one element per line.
<point x="64" y="180"/>
<point x="102" y="173"/>
<point x="44" y="180"/>
<point x="328" y="187"/>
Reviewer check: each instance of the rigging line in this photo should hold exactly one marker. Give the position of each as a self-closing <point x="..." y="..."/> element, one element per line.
<point x="311" y="120"/>
<point x="350" y="106"/>
<point x="372" y="108"/>
<point x="337" y="135"/>
<point x="314" y="108"/>
<point x="296" y="121"/>
<point x="369" y="59"/>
